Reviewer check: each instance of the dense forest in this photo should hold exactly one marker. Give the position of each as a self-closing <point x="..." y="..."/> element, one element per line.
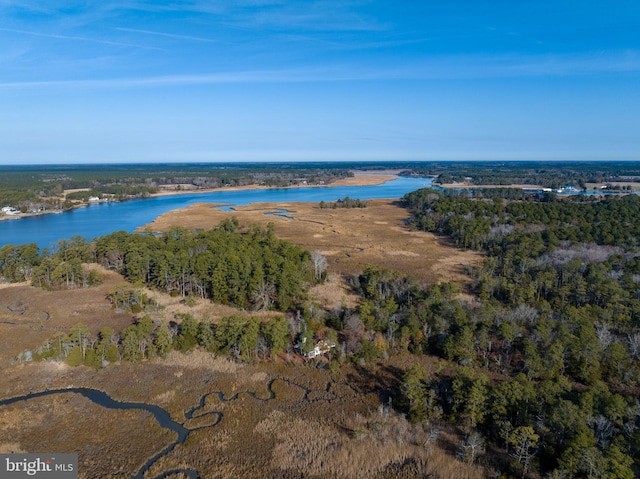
<point x="546" y="174"/>
<point x="543" y="355"/>
<point x="248" y="269"/>
<point x="558" y="312"/>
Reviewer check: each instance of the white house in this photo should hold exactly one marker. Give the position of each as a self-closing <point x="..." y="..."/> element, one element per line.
<point x="321" y="348"/>
<point x="10" y="210"/>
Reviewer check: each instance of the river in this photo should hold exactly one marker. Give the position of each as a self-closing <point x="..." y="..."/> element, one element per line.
<point x="104" y="218"/>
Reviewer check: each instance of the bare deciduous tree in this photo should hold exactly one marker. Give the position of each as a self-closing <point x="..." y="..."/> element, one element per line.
<point x="525" y="314"/>
<point x="524" y="441"/>
<point x="604" y="335"/>
<point x="603" y="428"/>
<point x="320" y="263"/>
<point x="264" y="296"/>
<point x="634" y="345"/>
<point x="472" y="447"/>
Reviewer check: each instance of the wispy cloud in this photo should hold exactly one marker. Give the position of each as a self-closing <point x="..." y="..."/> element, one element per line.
<point x="326" y="15"/>
<point x="517" y="66"/>
<point x="553" y="65"/>
<point x="258" y="76"/>
<point x="78" y="39"/>
<point x="459" y="67"/>
<point x="162" y="34"/>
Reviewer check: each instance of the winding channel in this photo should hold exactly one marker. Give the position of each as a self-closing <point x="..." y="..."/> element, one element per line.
<point x="162" y="416"/>
<point x="103" y="399"/>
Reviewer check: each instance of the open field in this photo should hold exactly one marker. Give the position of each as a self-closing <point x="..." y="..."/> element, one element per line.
<point x="29" y="315"/>
<point x="367" y="178"/>
<point x="350" y="238"/>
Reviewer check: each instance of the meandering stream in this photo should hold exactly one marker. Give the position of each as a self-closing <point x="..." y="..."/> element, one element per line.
<point x="103" y="399"/>
<point x="162" y="416"/>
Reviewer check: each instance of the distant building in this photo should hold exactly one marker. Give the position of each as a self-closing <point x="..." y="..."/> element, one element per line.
<point x="10" y="210"/>
<point x="93" y="199"/>
<point x="320" y="348"/>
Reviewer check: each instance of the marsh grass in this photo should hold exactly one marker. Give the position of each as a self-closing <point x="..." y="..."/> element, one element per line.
<point x="105" y="440"/>
<point x="318" y="423"/>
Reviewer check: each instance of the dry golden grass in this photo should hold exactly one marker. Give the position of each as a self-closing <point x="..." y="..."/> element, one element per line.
<point x="69" y="422"/>
<point x="202" y="308"/>
<point x="381" y="445"/>
<point x="349" y="238"/>
<point x="307" y="429"/>
<point x="24" y="309"/>
<point x="367" y="178"/>
<point x="333" y="293"/>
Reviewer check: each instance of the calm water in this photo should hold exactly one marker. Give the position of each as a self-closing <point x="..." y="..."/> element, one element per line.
<point x="101" y="219"/>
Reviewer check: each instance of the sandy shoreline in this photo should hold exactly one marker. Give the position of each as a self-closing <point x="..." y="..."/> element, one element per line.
<point x="29" y="215"/>
<point x="360" y="178"/>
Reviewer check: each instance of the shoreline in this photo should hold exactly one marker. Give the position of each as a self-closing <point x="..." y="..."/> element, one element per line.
<point x="31" y="215"/>
<point x="360" y="178"/>
<point x="470" y="186"/>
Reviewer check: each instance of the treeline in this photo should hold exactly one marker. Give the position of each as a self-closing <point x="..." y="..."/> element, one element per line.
<point x="237" y="336"/>
<point x="485" y="220"/>
<point x="117" y="192"/>
<point x="345" y="202"/>
<point x="547" y="174"/>
<point x="63" y="267"/>
<point x="24" y="185"/>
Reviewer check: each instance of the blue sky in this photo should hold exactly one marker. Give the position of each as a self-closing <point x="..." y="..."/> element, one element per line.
<point x="251" y="80"/>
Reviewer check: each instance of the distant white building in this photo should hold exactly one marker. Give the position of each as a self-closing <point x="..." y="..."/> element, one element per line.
<point x="320" y="348"/>
<point x="93" y="199"/>
<point x="10" y="210"/>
